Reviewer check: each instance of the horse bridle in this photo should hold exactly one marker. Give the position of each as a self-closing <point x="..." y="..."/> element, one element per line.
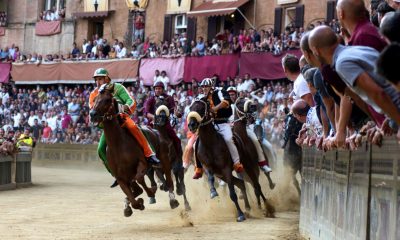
<point x="107" y="115"/>
<point x="206" y="113"/>
<point x="241" y="115"/>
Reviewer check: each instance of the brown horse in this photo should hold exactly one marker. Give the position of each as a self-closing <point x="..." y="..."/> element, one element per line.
<point x="244" y="114"/>
<point x="244" y="109"/>
<point x="124" y="154"/>
<point x="170" y="156"/>
<point x="213" y="153"/>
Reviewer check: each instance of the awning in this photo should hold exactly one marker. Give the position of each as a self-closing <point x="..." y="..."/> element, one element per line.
<point x="212" y="8"/>
<point x="91" y="14"/>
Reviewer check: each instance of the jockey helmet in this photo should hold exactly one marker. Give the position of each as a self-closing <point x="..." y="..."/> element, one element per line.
<point x="231" y="89"/>
<point x="206" y="82"/>
<point x="100" y="72"/>
<point x="159" y="84"/>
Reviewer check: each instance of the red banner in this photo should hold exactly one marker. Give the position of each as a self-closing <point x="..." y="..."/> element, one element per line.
<point x="207" y="66"/>
<point x="5" y="69"/>
<point x="73" y="72"/>
<point x="2" y="31"/>
<point x="264" y="65"/>
<point x="44" y="28"/>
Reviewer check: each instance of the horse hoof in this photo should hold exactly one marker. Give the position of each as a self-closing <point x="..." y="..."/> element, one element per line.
<point x="187" y="207"/>
<point x="248" y="208"/>
<point x="241" y="218"/>
<point x="241" y="196"/>
<point x="272" y="186"/>
<point x="152" y="200"/>
<point x="214" y="194"/>
<point x="140" y="201"/>
<point x="173" y="203"/>
<point x="128" y="212"/>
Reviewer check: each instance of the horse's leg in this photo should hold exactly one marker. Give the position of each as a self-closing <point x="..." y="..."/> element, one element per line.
<point x="180" y="185"/>
<point x="150" y="175"/>
<point x="269" y="209"/>
<point x="211" y="182"/>
<point x="228" y="178"/>
<point x="161" y="177"/>
<point x="149" y="191"/>
<point x="240" y="184"/>
<point x="295" y="182"/>
<point x="126" y="188"/>
<point x="127" y="209"/>
<point x="178" y="171"/>
<point x="170" y="186"/>
<point x="136" y="189"/>
<point x="271" y="183"/>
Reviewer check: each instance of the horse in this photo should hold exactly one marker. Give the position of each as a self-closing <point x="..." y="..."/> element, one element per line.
<point x="212" y="151"/>
<point x="171" y="158"/>
<point x="292" y="156"/>
<point x="124" y="154"/>
<point x="244" y="111"/>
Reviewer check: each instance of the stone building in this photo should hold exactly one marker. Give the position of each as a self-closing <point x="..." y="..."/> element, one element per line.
<point x="161" y="19"/>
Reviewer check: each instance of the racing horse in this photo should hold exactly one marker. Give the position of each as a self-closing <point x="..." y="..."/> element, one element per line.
<point x="170" y="156"/>
<point x="124" y="154"/>
<point x="292" y="156"/>
<point x="212" y="151"/>
<point x="244" y="111"/>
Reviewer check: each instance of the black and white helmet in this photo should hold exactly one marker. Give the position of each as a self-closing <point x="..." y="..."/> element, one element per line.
<point x="206" y="82"/>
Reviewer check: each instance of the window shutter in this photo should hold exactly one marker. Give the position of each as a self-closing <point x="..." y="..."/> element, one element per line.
<point x="167" y="27"/>
<point x="330" y="11"/>
<point x="300" y="16"/>
<point x="278" y="21"/>
<point x="191" y="29"/>
<point x="212" y="28"/>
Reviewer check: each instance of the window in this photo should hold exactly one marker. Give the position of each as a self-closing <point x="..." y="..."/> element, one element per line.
<point x="180" y="24"/>
<point x="58" y="4"/>
<point x="290" y="16"/>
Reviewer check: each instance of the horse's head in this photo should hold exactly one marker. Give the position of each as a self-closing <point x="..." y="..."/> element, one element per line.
<point x="105" y="106"/>
<point x="161" y="117"/>
<point x="199" y="114"/>
<point x="245" y="109"/>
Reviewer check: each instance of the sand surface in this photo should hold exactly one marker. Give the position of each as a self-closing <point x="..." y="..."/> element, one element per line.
<point x="73" y="203"/>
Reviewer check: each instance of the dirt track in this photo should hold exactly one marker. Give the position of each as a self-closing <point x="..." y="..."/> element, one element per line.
<point x="77" y="204"/>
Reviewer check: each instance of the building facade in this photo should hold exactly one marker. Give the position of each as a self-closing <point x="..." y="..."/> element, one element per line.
<point x="159" y="20"/>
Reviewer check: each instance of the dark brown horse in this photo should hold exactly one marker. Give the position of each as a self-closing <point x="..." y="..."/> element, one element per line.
<point x="124" y="154"/>
<point x="244" y="109"/>
<point x="212" y="151"/>
<point x="244" y="114"/>
<point x="170" y="156"/>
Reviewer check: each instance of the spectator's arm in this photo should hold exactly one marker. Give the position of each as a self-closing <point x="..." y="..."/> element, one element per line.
<point x="330" y="110"/>
<point x="345" y="112"/>
<point x="309" y="99"/>
<point x="378" y="95"/>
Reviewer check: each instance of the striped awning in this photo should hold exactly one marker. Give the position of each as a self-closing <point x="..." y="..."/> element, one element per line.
<point x="216" y="8"/>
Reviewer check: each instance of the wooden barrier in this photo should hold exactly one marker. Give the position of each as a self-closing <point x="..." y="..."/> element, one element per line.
<point x="15" y="171"/>
<point x="351" y="194"/>
<point x="64" y="153"/>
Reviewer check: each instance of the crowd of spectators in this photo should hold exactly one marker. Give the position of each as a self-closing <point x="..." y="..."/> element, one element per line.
<point x="247" y="40"/>
<point x="59" y="114"/>
<point x="52" y="14"/>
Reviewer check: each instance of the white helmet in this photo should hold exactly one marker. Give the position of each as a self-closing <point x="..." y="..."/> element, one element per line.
<point x="206" y="82"/>
<point x="231" y="89"/>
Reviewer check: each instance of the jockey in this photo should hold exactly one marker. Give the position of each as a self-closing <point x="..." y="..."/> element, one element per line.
<point x="220" y="105"/>
<point x="126" y="106"/>
<point x="262" y="162"/>
<point x="149" y="111"/>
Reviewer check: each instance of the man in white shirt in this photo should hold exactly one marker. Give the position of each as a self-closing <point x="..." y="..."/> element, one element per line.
<point x="291" y="67"/>
<point x="307" y="115"/>
<point x="164" y="79"/>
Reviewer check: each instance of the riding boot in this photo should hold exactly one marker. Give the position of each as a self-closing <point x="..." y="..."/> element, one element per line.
<point x="264" y="166"/>
<point x="114" y="184"/>
<point x="198" y="173"/>
<point x="238" y="167"/>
